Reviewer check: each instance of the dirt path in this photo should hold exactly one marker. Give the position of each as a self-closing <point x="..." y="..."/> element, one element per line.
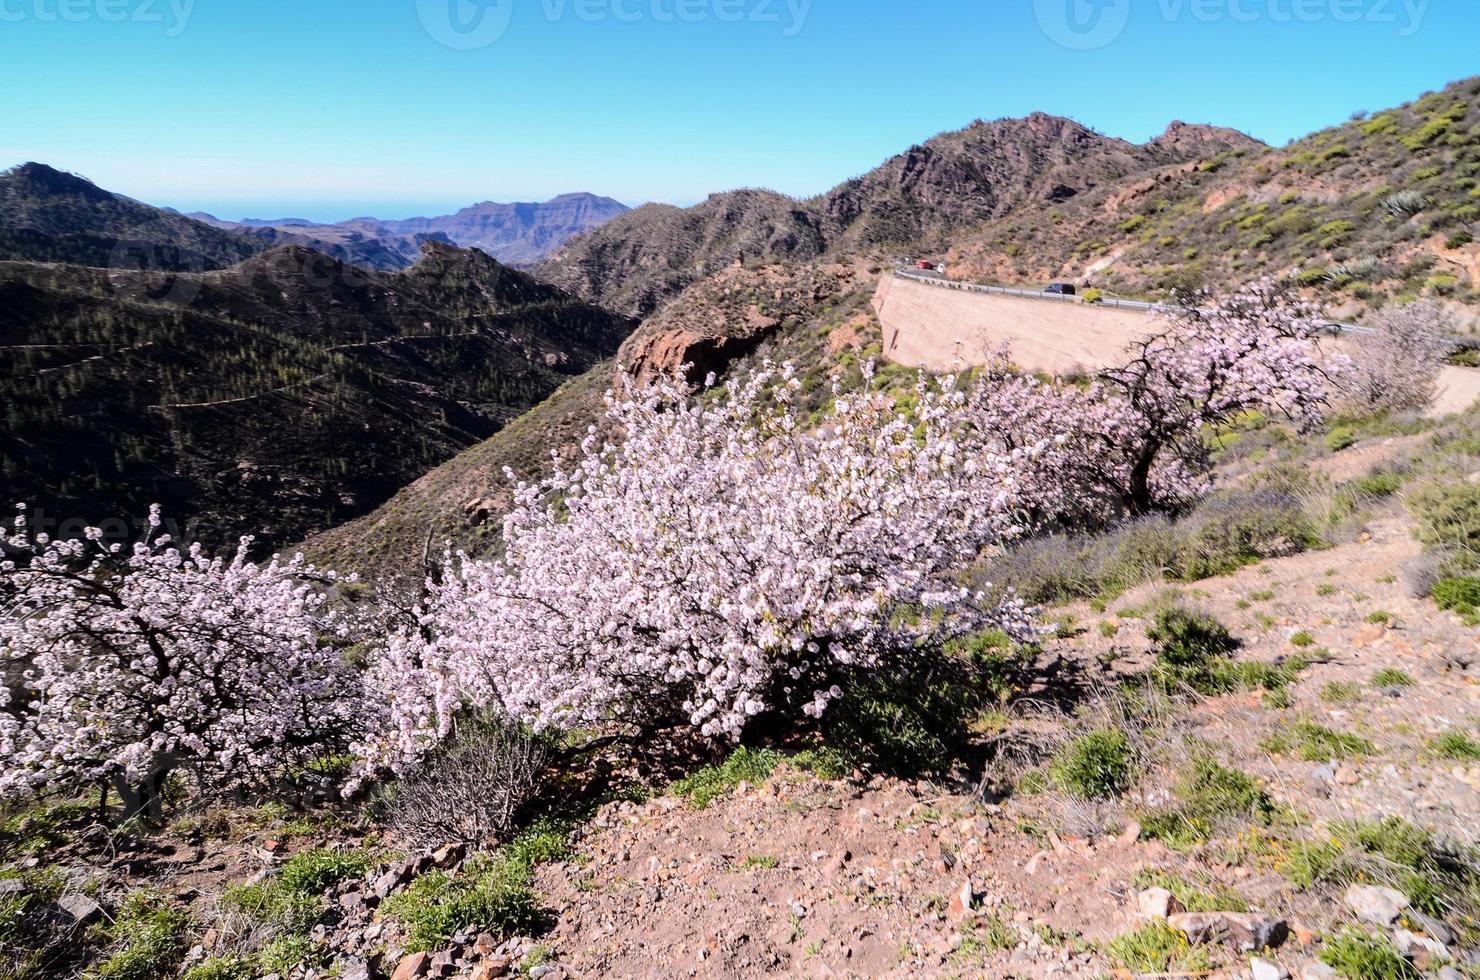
<point x="942" y="330"/>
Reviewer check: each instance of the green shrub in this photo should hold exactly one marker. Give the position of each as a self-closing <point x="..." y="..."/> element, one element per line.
<point x="1192" y="898"/>
<point x="1184" y="639"/>
<point x="1302" y="639"/>
<point x="148" y="939"/>
<point x="292" y="901"/>
<point x="1159" y="949"/>
<point x="745" y="765"/>
<point x="909" y="716"/>
<point x="1460" y="594"/>
<point x="1210" y="794"/>
<point x="1341" y="437"/>
<point x="222" y="968"/>
<point x="1093" y="295"/>
<point x="492" y="894"/>
<point x="1459" y="239"/>
<point x="1096" y="765"/>
<point x="1448" y="516"/>
<point x="283" y="954"/>
<point x="31" y="945"/>
<point x="1361" y="955"/>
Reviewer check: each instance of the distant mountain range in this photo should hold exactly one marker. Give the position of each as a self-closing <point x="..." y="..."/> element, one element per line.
<point x="515" y="234"/>
<point x="248" y="385"/>
<point x="49" y="215"/>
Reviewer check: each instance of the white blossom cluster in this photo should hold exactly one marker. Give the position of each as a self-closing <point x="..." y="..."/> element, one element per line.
<point x="136" y="662"/>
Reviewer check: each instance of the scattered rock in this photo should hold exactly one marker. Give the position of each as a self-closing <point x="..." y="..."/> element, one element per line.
<point x="1237" y="929"/>
<point x="80" y="909"/>
<point x="1157" y="903"/>
<point x="1431" y="926"/>
<point x="494" y="966"/>
<point x="961" y="907"/>
<point x="1316" y="970"/>
<point x="1265" y="970"/>
<point x="412" y="967"/>
<point x="1425" y="953"/>
<point x="1375" y="904"/>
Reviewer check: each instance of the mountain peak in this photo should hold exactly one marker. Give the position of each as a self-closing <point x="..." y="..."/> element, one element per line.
<point x="44" y="179"/>
<point x="1183" y="136"/>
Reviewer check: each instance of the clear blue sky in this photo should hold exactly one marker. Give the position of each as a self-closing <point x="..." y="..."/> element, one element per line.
<point x="332" y="108"/>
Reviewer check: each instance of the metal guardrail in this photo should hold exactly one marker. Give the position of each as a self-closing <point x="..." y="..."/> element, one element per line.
<point x="1114" y="304"/>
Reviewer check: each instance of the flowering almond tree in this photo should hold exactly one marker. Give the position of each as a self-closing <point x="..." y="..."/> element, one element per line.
<point x="716" y="564"/>
<point x="1135" y="440"/>
<point x="134" y="664"/>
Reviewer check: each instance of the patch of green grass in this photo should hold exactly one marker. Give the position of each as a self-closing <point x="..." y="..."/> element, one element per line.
<point x="292" y="901"/>
<point x="1213" y="897"/>
<point x="1391" y="677"/>
<point x="1341" y="692"/>
<point x="762" y="861"/>
<point x="1457" y="745"/>
<point x="283" y="954"/>
<point x="223" y="968"/>
<point x="1461" y="594"/>
<point x="1359" y="955"/>
<point x="1263" y="595"/>
<point x="26" y="943"/>
<point x="1302" y="639"/>
<point x="493" y="893"/>
<point x="1316" y="743"/>
<point x="1381" y="617"/>
<point x="1157" y="948"/>
<point x="985" y="934"/>
<point x="703" y="787"/>
<point x="43" y="827"/>
<point x="148" y="938"/>
<point x="1326" y="589"/>
<point x="822" y="761"/>
<point x="1096" y="765"/>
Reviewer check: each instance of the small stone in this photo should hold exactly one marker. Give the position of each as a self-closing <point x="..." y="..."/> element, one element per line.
<point x="537" y="972"/>
<point x="1265" y="970"/>
<point x="1375" y="904"/>
<point x="79" y="908"/>
<point x="412" y="967"/>
<point x="493" y="966"/>
<point x="1157" y="903"/>
<point x="1032" y="866"/>
<point x="1425" y="953"/>
<point x="1316" y="970"/>
<point x="13" y="886"/>
<point x="962" y="903"/>
<point x="1432" y="927"/>
<point x="448" y="854"/>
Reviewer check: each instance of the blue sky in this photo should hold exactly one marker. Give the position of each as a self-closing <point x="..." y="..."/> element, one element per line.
<point x="334" y="108"/>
